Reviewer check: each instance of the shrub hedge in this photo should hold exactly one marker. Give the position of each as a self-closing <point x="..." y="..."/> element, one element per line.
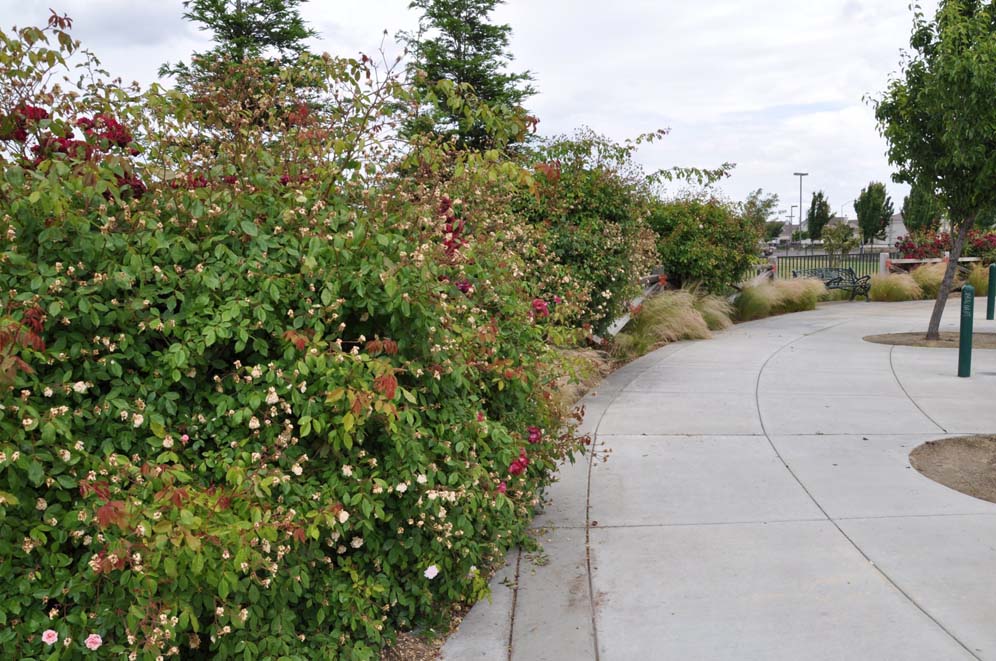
<point x="269" y="390"/>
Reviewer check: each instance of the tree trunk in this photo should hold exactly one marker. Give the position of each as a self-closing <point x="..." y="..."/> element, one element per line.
<point x="934" y="329"/>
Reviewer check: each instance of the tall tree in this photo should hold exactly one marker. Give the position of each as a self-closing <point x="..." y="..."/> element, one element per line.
<point x="773" y="229"/>
<point x="457" y="42"/>
<point x="758" y="208"/>
<point x="922" y="211"/>
<point x="242" y="29"/>
<point x="818" y="216"/>
<point x="940" y="121"/>
<point x="874" y="209"/>
<point x="838" y="240"/>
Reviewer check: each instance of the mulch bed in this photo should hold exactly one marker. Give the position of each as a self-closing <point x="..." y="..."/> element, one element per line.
<point x="949" y="340"/>
<point x="966" y="464"/>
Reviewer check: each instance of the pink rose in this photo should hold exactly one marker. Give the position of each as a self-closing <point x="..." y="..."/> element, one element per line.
<point x="50" y="637"/>
<point x="93" y="642"/>
<point x="535" y="434"/>
<point x="502" y="487"/>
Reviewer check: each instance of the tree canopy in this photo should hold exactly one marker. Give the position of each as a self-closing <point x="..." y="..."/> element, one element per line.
<point x="939" y="118"/>
<point x="922" y="211"/>
<point x="456" y="42"/>
<point x="242" y="29"/>
<point x="818" y="215"/>
<point x="758" y="208"/>
<point x="874" y="209"/>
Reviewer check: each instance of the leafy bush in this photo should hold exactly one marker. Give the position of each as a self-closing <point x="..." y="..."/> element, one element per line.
<point x="929" y="277"/>
<point x="894" y="287"/>
<point x="933" y="245"/>
<point x="589" y="201"/>
<point x="778" y="297"/>
<point x="265" y="392"/>
<point x="702" y="239"/>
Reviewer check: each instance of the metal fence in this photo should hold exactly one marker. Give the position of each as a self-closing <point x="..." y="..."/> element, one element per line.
<point x="863" y="264"/>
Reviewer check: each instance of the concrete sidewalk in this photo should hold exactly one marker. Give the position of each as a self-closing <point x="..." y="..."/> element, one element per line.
<point x="756" y="502"/>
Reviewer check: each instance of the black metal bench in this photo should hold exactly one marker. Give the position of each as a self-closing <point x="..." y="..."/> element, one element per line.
<point x="844" y="279"/>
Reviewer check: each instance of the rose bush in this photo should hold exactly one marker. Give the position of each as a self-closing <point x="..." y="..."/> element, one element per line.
<point x="269" y="388"/>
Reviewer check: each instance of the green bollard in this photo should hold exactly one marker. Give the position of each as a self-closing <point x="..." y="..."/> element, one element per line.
<point x="965" y="343"/>
<point x="991" y="307"/>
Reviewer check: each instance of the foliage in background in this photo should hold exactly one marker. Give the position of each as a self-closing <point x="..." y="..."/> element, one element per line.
<point x="456" y="42"/>
<point x="874" y="209"/>
<point x="702" y="239"/>
<point x="242" y="29"/>
<point x="773" y="229"/>
<point x="818" y="216"/>
<point x="922" y="211"/>
<point x="759" y="208"/>
<point x="270" y="388"/>
<point x="839" y="240"/>
<point x="940" y="123"/>
<point x="894" y="288"/>
<point x="981" y="244"/>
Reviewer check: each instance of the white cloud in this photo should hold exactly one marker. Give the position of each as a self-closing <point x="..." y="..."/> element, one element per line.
<point x="774" y="85"/>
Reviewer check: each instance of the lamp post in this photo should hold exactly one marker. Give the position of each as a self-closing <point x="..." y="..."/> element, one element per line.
<point x="792" y="221"/>
<point x="800" y="175"/>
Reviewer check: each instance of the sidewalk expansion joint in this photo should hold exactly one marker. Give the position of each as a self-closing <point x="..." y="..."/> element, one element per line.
<point x="892" y="366"/>
<point x="875" y="566"/>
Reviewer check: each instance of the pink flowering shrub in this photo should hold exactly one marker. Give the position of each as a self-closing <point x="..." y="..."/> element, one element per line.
<point x="280" y="399"/>
<point x="930" y="245"/>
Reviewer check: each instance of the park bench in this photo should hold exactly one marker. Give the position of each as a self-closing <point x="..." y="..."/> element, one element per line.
<point x="844" y="279"/>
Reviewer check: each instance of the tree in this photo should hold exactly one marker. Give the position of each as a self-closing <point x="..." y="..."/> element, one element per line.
<point x="455" y="42"/>
<point x="940" y="122"/>
<point x="773" y="229"/>
<point x="758" y="208"/>
<point x="242" y="29"/>
<point x="922" y="212"/>
<point x="838" y="240"/>
<point x="875" y="211"/>
<point x="818" y="216"/>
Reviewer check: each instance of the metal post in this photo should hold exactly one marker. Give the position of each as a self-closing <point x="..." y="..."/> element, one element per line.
<point x="991" y="306"/>
<point x="965" y="342"/>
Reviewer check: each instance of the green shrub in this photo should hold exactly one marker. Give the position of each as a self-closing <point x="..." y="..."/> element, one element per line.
<point x="894" y="287"/>
<point x="778" y="297"/>
<point x="704" y="240"/>
<point x="263" y="392"/>
<point x="589" y="199"/>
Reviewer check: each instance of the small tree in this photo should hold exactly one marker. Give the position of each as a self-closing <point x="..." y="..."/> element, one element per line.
<point x="874" y="209"/>
<point x="838" y="240"/>
<point x="940" y="121"/>
<point x="758" y="208"/>
<point x="818" y="216"/>
<point x="456" y="42"/>
<point x="773" y="229"/>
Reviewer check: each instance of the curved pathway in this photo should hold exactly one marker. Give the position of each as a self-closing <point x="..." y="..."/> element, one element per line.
<point x="750" y="497"/>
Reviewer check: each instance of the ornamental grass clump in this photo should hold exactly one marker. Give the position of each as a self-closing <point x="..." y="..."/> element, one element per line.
<point x="978" y="277"/>
<point x="929" y="277"/>
<point x="267" y="389"/>
<point x="667" y="317"/>
<point x="778" y="297"/>
<point x="894" y="288"/>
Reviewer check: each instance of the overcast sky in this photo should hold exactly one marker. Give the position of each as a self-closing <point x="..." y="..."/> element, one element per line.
<point x="775" y="86"/>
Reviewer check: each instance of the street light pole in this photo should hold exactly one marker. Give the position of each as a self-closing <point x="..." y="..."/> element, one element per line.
<point x="800" y="175"/>
<point x="792" y="218"/>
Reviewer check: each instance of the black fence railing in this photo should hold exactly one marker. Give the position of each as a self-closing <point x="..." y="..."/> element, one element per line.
<point x="862" y="264"/>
